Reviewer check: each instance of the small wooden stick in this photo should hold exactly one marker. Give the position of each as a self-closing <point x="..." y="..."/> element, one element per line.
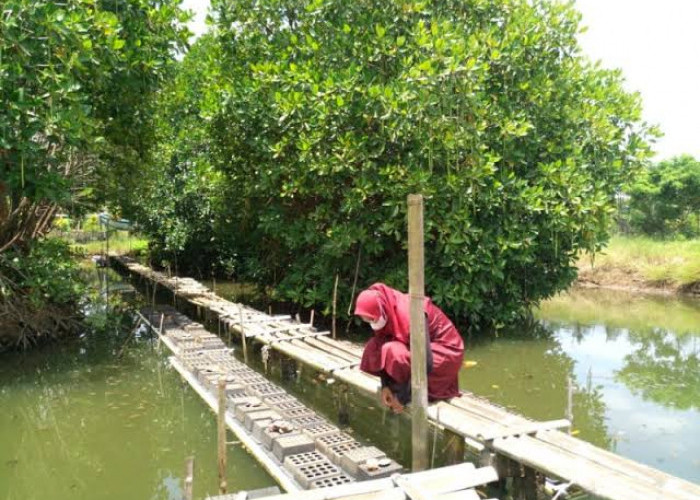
<point x="335" y="302"/>
<point x="221" y="421"/>
<point x="189" y="477"/>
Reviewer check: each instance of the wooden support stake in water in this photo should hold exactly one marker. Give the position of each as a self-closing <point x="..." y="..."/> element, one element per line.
<point x="243" y="340"/>
<point x="189" y="477"/>
<point x="419" y="370"/>
<point x="221" y="421"/>
<point x="311" y="320"/>
<point x="335" y="302"/>
<point x="570" y="402"/>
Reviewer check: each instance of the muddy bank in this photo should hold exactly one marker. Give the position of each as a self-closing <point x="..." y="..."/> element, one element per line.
<point x="616" y="278"/>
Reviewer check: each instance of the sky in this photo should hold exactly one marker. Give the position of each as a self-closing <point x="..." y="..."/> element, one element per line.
<point x="656" y="43"/>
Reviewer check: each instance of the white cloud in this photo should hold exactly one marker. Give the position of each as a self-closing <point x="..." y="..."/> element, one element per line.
<point x="199" y="7"/>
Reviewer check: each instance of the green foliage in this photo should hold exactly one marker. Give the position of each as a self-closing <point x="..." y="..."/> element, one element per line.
<point x="46" y="275"/>
<point x="665" y="199"/>
<point x="331" y="112"/>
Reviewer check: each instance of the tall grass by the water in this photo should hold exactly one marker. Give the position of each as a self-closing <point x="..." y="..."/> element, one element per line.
<point x="120" y="243"/>
<point x="671" y="262"/>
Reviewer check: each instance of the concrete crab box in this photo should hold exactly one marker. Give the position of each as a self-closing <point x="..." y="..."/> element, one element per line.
<point x="326" y="441"/>
<point x="309" y="473"/>
<point x="280" y="398"/>
<point x="321" y="429"/>
<point x="292" y="444"/>
<point x="298" y="412"/>
<point x="338" y="451"/>
<point x="308" y="421"/>
<point x="246" y="404"/>
<point x="329" y="482"/>
<point x="386" y="468"/>
<point x="268" y="436"/>
<point x="285" y="406"/>
<point x="254" y="416"/>
<point x="264" y="389"/>
<point x="352" y="459"/>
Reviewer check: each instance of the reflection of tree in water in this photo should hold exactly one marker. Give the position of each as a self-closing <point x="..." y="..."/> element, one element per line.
<point x="588" y="401"/>
<point x="664" y="368"/>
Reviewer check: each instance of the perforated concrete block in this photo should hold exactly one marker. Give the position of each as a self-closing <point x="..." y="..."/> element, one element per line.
<point x="309" y="473"/>
<point x="319" y="430"/>
<point x="263" y="389"/>
<point x="280" y="398"/>
<point x="259" y="426"/>
<point x="285" y="406"/>
<point x="298" y="412"/>
<point x="364" y="474"/>
<point x="269" y="436"/>
<point x="338" y="451"/>
<point x="310" y="457"/>
<point x="252" y="416"/>
<point x="352" y="459"/>
<point x="247" y="404"/>
<point x="308" y="421"/>
<point x="291" y="445"/>
<point x="325" y="442"/>
<point x="329" y="482"/>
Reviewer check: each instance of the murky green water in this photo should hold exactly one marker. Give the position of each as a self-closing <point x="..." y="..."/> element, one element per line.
<point x="78" y="423"/>
<point x="635" y="364"/>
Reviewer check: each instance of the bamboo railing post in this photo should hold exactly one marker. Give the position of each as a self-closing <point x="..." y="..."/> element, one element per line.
<point x="419" y="371"/>
<point x="189" y="478"/>
<point x="221" y="423"/>
<point x="335" y="301"/>
<point x="243" y="339"/>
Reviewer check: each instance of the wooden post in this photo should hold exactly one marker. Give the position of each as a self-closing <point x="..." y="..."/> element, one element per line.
<point x="243" y="340"/>
<point x="189" y="477"/>
<point x="335" y="300"/>
<point x="221" y="421"/>
<point x="311" y="320"/>
<point x="570" y="402"/>
<point x="419" y="370"/>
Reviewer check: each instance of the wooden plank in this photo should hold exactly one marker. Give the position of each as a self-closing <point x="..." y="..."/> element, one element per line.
<point x="592" y="477"/>
<point x="453" y="478"/>
<point x="460" y="495"/>
<point x="639" y="472"/>
<point x="529" y="428"/>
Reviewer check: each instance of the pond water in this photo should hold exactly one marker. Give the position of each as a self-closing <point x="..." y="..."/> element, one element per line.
<point x="77" y="422"/>
<point x="635" y="365"/>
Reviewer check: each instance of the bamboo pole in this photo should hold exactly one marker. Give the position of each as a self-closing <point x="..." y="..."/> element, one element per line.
<point x="189" y="477"/>
<point x="243" y="339"/>
<point x="221" y="421"/>
<point x="335" y="301"/>
<point x="419" y="371"/>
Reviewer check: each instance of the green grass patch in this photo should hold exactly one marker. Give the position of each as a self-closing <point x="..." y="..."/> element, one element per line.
<point x="119" y="244"/>
<point x="672" y="262"/>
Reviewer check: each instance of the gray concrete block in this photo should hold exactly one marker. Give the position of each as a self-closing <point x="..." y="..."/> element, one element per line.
<point x="338" y="451"/>
<point x="291" y="444"/>
<point x="319" y="430"/>
<point x="329" y="482"/>
<point x="326" y="441"/>
<point x="300" y="459"/>
<point x="386" y="469"/>
<point x="299" y="412"/>
<point x="284" y="406"/>
<point x="269" y="436"/>
<point x="279" y="398"/>
<point x="263" y="389"/>
<point x="308" y="421"/>
<point x="259" y="426"/>
<point x="308" y="473"/>
<point x="352" y="459"/>
<point x="246" y="404"/>
<point x="264" y="414"/>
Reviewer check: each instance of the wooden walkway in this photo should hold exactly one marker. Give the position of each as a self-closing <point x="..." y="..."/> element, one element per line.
<point x="490" y="430"/>
<point x="312" y="454"/>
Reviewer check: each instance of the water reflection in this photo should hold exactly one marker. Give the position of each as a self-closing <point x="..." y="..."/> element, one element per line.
<point x="634" y="362"/>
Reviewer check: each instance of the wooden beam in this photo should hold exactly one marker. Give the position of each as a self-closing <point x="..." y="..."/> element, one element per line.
<point x="419" y="370"/>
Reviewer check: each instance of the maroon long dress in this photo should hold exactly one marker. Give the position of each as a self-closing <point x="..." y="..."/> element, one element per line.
<point x="388" y="350"/>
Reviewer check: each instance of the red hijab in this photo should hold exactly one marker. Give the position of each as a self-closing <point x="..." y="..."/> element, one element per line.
<point x="379" y="300"/>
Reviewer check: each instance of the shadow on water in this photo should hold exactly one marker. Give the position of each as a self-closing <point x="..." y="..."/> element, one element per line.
<point x="79" y="422"/>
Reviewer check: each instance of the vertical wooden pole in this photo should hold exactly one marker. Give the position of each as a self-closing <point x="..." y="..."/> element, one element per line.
<point x="311" y="320"/>
<point x="243" y="340"/>
<point x="419" y="370"/>
<point x="570" y="403"/>
<point x="335" y="301"/>
<point x="189" y="477"/>
<point x="221" y="421"/>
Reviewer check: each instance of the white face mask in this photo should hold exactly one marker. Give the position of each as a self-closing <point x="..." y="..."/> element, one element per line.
<point x="379" y="324"/>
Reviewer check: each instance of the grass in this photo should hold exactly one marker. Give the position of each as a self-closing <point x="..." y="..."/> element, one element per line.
<point x="674" y="263"/>
<point x="119" y="244"/>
